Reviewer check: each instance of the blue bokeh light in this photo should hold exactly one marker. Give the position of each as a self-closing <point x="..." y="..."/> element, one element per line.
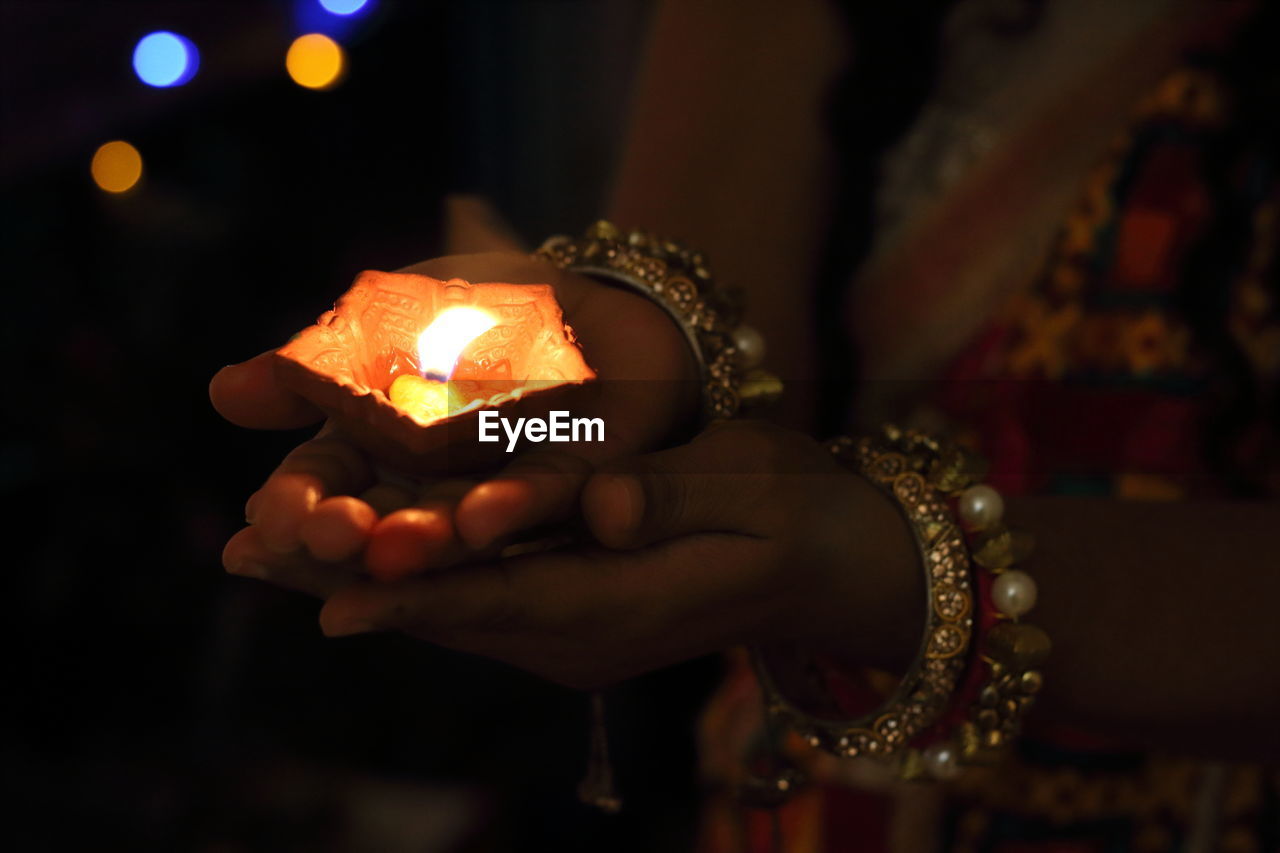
<point x="343" y="7"/>
<point x="165" y="59"/>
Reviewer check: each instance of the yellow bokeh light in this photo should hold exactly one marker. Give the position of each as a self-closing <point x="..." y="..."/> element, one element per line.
<point x="116" y="166"/>
<point x="314" y="61"/>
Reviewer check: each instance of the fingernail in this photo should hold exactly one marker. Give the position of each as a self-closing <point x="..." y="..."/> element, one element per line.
<point x="614" y="506"/>
<point x="624" y="499"/>
<point x="489" y="512"/>
<point x="248" y="569"/>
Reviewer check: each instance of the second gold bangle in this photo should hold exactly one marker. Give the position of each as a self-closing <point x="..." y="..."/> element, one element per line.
<point x="679" y="280"/>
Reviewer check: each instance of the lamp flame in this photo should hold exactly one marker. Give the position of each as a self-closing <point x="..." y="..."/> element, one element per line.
<point x="447" y="336"/>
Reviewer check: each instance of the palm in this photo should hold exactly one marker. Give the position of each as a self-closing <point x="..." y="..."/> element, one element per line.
<point x="646" y="390"/>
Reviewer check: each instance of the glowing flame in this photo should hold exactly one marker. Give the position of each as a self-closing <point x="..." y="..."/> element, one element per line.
<point x="443" y="341"/>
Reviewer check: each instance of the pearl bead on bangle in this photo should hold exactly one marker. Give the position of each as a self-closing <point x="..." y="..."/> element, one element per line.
<point x="750" y="346"/>
<point x="1013" y="593"/>
<point x="941" y="760"/>
<point x="980" y="506"/>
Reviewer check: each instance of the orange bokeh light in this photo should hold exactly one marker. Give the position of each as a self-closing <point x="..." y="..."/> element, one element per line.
<point x="116" y="166"/>
<point x="315" y="61"/>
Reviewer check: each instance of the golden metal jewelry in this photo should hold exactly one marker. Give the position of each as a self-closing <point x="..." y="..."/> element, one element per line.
<point x="925" y="691"/>
<point x="679" y="280"/>
<point x="965" y="552"/>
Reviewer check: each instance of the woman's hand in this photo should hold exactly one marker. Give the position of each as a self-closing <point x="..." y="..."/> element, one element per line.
<point x="750" y="533"/>
<point x="326" y="496"/>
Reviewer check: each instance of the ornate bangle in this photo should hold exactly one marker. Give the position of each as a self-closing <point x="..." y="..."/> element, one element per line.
<point x="1004" y="676"/>
<point x="975" y="675"/>
<point x="679" y="280"/>
<point x="923" y="694"/>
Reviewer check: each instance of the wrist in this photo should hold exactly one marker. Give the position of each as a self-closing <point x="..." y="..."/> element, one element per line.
<point x="875" y="614"/>
<point x="976" y="673"/>
<point x="677" y="280"/>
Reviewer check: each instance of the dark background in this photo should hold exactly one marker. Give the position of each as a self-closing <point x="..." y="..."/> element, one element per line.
<point x="155" y="703"/>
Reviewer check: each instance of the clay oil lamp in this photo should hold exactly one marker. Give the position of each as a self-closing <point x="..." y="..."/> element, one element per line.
<point x="404" y="363"/>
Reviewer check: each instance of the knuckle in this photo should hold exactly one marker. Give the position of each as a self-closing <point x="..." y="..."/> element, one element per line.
<point x="342" y="451"/>
<point x="666" y="499"/>
<point x="330" y="461"/>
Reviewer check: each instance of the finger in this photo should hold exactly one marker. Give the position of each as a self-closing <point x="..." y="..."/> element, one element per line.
<point x="472" y="224"/>
<point x="315" y="470"/>
<point x="341" y="527"/>
<point x="536" y="488"/>
<point x="418" y="538"/>
<point x="647" y="383"/>
<point x="248" y="395"/>
<point x="714" y="484"/>
<point x="543" y="486"/>
<point x="338" y="528"/>
<point x="639" y="404"/>
<point x="248" y="556"/>
<point x="576" y="616"/>
<point x="494" y="596"/>
<point x="408" y="542"/>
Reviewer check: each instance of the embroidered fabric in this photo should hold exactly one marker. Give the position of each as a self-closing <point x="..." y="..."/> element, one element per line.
<point x="999" y="59"/>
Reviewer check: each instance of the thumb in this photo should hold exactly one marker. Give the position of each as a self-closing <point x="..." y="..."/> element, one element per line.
<point x="472" y="224"/>
<point x="708" y="486"/>
<point x="248" y="395"/>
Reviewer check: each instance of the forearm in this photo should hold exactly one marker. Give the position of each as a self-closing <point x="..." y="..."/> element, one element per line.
<point x="1163" y="617"/>
<point x="726" y="151"/>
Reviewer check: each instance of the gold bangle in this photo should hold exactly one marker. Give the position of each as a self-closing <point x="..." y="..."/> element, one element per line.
<point x="967" y="553"/>
<point x="924" y="692"/>
<point x="679" y="280"/>
<point x="1008" y="659"/>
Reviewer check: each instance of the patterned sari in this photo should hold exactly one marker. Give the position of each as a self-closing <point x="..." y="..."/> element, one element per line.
<point x="1142" y="364"/>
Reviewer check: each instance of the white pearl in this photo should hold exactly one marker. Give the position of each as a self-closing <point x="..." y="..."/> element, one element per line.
<point x="750" y="345"/>
<point x="981" y="506"/>
<point x="941" y="761"/>
<point x="1013" y="593"/>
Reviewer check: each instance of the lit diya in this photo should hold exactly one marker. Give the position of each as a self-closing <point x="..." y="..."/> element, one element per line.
<point x="403" y="363"/>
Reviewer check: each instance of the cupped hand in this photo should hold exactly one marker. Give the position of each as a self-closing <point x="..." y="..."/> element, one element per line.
<point x="750" y="533"/>
<point x="329" y="498"/>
